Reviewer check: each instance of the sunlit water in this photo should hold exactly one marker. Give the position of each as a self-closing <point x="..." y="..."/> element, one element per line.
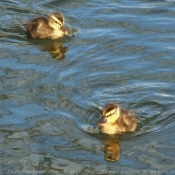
<point x="52" y="91"/>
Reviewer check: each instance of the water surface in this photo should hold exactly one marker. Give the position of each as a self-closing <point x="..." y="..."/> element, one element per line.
<point x="52" y="91"/>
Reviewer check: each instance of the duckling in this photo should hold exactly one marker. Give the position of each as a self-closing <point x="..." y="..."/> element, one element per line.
<point x="117" y="120"/>
<point x="51" y="27"/>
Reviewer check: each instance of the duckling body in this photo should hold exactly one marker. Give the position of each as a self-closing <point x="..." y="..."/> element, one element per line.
<point x="117" y="120"/>
<point x="51" y="27"/>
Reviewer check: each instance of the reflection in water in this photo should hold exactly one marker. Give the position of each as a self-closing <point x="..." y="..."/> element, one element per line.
<point x="111" y="150"/>
<point x="111" y="147"/>
<point x="54" y="47"/>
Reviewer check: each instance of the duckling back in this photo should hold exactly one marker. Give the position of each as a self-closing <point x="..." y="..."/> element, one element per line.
<point x="127" y="121"/>
<point x="38" y="28"/>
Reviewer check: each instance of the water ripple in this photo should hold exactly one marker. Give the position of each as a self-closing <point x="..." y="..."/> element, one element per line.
<point x="52" y="91"/>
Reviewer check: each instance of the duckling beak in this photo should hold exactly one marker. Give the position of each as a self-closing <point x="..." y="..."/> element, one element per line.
<point x="104" y="120"/>
<point x="65" y="30"/>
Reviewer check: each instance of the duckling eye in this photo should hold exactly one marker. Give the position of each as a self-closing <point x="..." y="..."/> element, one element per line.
<point x="108" y="115"/>
<point x="57" y="22"/>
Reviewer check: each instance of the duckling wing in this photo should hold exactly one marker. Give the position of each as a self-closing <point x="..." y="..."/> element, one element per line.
<point x="130" y="122"/>
<point x="39" y="28"/>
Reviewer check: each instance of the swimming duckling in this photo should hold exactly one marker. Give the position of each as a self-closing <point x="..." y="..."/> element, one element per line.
<point x="51" y="27"/>
<point x="116" y="120"/>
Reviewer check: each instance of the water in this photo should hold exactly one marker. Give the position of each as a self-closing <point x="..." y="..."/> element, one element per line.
<point x="52" y="91"/>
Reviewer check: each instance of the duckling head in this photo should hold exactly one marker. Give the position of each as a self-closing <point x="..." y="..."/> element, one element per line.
<point x="111" y="112"/>
<point x="56" y="21"/>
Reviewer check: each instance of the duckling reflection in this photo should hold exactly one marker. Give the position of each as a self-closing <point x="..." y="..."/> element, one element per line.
<point x="117" y="120"/>
<point x="54" y="47"/>
<point x="111" y="150"/>
<point x="51" y="27"/>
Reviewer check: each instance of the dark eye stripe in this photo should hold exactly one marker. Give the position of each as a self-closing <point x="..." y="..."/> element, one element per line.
<point x="112" y="113"/>
<point x="57" y="22"/>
